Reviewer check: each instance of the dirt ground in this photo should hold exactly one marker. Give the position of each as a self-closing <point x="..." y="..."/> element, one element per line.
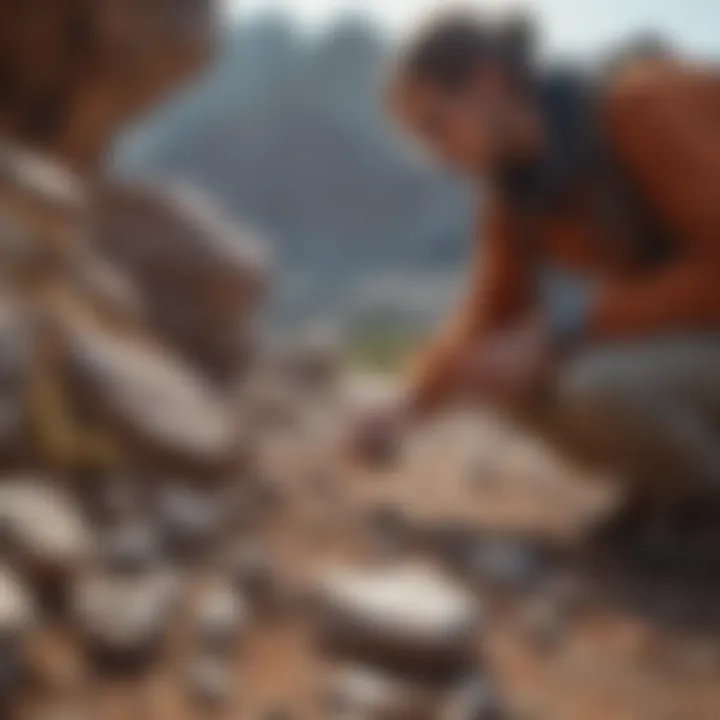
<point x="641" y="645"/>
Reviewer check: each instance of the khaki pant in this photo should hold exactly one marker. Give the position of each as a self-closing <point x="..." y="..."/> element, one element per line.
<point x="648" y="412"/>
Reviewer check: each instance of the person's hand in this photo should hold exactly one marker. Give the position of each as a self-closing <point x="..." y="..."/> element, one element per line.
<point x="510" y="366"/>
<point x="377" y="432"/>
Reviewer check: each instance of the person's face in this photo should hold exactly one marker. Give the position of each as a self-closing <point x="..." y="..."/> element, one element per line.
<point x="464" y="128"/>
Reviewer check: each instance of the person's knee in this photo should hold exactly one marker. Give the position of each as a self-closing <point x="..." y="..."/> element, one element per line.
<point x="602" y="394"/>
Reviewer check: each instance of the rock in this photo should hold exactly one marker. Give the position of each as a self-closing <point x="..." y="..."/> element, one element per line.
<point x="156" y="407"/>
<point x="451" y="542"/>
<point x="473" y="700"/>
<point x="483" y="475"/>
<point x="268" y="494"/>
<point x="210" y="682"/>
<point x="407" y="616"/>
<point x="46" y="533"/>
<point x="110" y="294"/>
<point x="118" y="499"/>
<point x="201" y="275"/>
<point x="191" y="518"/>
<point x="124" y="619"/>
<point x="253" y="573"/>
<point x="506" y="563"/>
<point x="42" y="201"/>
<point x="253" y="500"/>
<point x="569" y="592"/>
<point x="131" y="548"/>
<point x="544" y="623"/>
<point x="221" y="618"/>
<point x="360" y="692"/>
<point x="17" y="618"/>
<point x="17" y="607"/>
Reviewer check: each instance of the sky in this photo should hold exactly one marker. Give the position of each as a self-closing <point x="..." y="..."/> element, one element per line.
<point x="569" y="25"/>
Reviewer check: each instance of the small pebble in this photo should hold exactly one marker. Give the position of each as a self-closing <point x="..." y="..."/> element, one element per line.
<point x="209" y="682"/>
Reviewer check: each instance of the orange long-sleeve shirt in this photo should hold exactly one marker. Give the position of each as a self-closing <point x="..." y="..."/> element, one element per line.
<point x="663" y="121"/>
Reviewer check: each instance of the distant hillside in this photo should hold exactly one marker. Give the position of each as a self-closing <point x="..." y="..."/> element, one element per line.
<point x="288" y="132"/>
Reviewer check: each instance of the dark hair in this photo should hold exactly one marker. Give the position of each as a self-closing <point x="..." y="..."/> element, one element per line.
<point x="450" y="48"/>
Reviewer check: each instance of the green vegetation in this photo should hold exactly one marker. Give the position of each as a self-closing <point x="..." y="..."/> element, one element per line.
<point x="380" y="348"/>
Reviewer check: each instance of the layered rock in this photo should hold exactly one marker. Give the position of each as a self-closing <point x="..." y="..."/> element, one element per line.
<point x="200" y="274"/>
<point x="75" y="71"/>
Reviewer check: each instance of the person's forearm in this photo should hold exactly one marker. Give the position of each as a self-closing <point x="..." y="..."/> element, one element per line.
<point x="432" y="382"/>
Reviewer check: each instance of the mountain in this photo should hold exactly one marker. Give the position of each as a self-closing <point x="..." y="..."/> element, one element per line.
<point x="289" y="133"/>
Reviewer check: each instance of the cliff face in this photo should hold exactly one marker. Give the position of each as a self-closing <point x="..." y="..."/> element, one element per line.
<point x="75" y="322"/>
<point x="73" y="71"/>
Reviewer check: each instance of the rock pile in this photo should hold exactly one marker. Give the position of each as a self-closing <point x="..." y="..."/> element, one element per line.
<point x="115" y="448"/>
<point x="126" y="313"/>
<point x="129" y="463"/>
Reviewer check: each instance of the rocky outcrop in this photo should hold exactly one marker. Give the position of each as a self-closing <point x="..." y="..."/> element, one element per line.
<point x="75" y="71"/>
<point x="201" y="276"/>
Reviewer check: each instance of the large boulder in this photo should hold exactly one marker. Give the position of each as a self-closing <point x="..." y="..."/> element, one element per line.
<point x="74" y="72"/>
<point x="201" y="275"/>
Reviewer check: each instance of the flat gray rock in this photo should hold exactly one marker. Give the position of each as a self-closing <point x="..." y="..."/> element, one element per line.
<point x="44" y="527"/>
<point x="156" y="405"/>
<point x="407" y="615"/>
<point x="124" y="618"/>
<point x="505" y="562"/>
<point x="191" y="518"/>
<point x="131" y="548"/>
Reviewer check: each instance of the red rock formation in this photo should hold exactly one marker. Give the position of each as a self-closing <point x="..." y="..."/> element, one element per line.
<point x="73" y="71"/>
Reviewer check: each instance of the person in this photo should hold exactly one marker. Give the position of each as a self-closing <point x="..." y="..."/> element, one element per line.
<point x="593" y="312"/>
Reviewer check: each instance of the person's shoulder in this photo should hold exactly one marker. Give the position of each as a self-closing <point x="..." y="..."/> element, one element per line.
<point x="644" y="84"/>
